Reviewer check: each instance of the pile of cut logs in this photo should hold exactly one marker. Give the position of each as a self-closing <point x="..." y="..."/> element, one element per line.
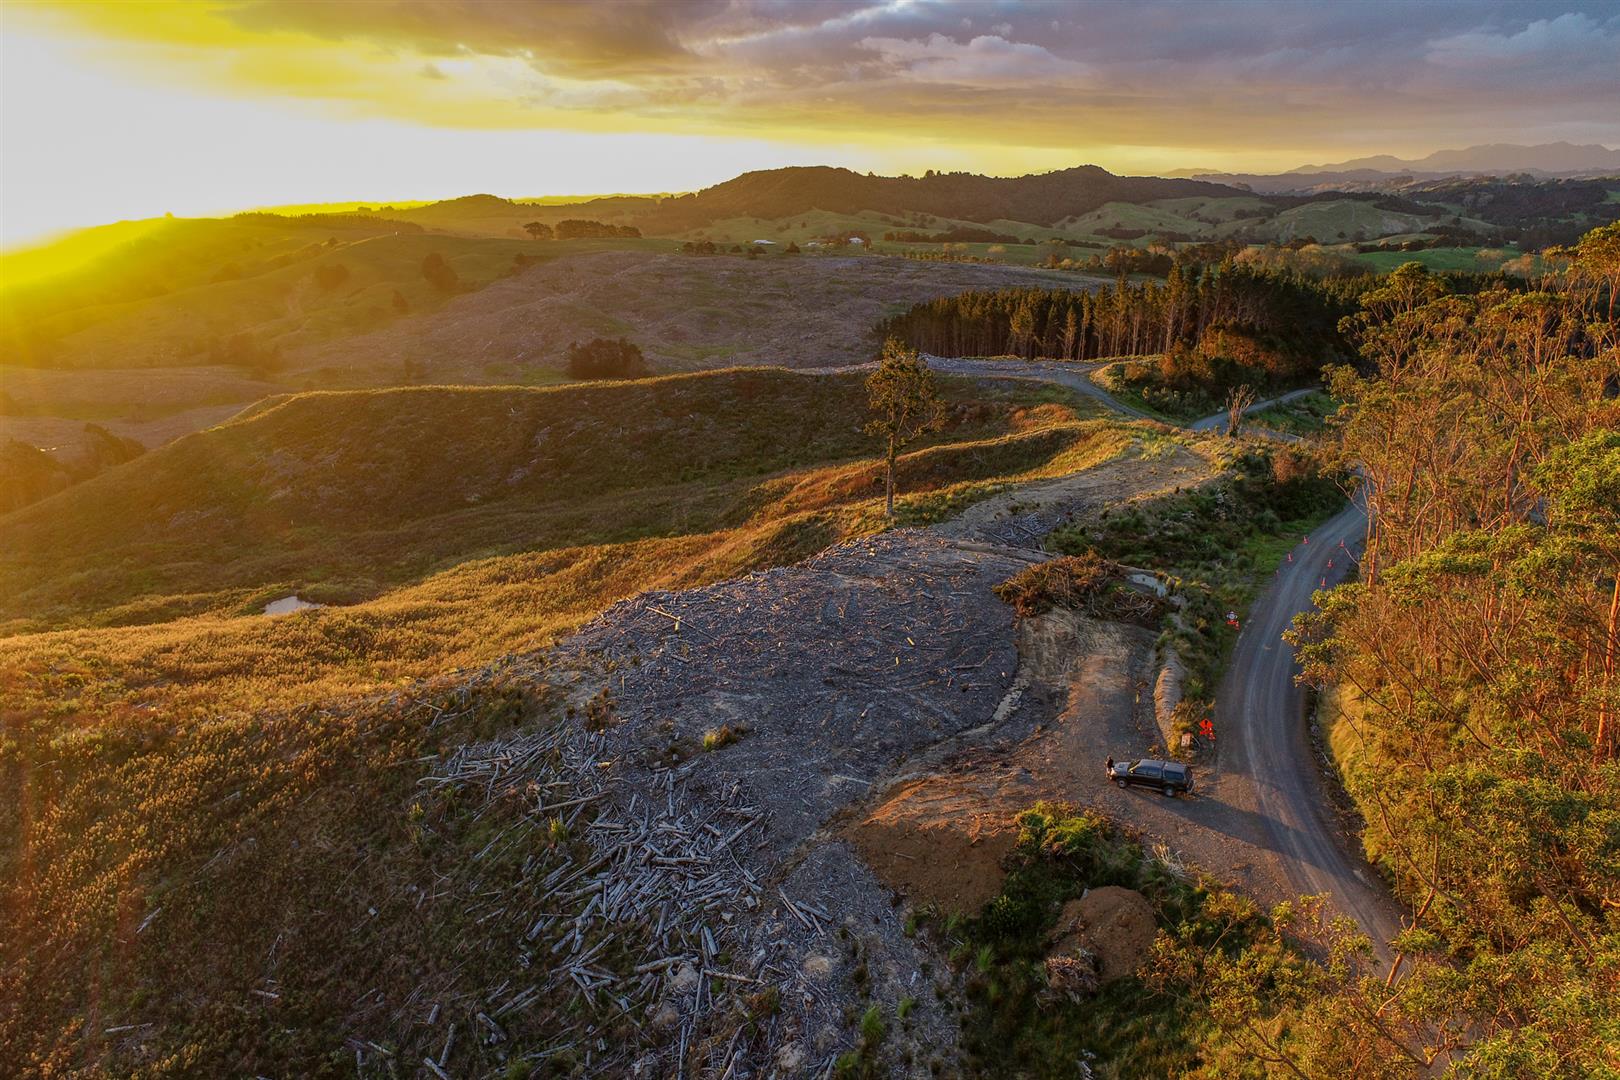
<point x="665" y="884"/>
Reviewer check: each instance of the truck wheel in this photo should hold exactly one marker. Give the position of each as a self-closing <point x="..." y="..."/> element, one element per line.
<point x="1121" y="783"/>
<point x="1168" y="792"/>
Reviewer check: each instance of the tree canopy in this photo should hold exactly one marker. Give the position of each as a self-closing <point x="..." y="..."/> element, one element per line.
<point x="905" y="404"/>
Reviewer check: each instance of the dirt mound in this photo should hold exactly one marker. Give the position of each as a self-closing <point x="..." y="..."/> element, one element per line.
<point x="938" y="845"/>
<point x="1112" y="924"/>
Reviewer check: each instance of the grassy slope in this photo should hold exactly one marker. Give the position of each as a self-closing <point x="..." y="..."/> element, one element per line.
<point x="241" y="774"/>
<point x="1154" y="217"/>
<point x="1204" y="207"/>
<point x="1306" y="415"/>
<point x="365" y="500"/>
<point x="1326" y="220"/>
<point x="344" y="494"/>
<point x="276" y="298"/>
<point x="1467" y="258"/>
<point x="813" y="224"/>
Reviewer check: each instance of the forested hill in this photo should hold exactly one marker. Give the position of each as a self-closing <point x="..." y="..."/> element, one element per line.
<point x="1042" y="199"/>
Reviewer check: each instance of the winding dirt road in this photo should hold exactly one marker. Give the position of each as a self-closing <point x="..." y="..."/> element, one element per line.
<point x="1267" y="771"/>
<point x="1266" y="756"/>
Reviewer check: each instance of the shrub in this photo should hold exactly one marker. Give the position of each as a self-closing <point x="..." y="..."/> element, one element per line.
<point x="873" y="1027"/>
<point x="580" y="229"/>
<point x="1069" y="582"/>
<point x="715" y="738"/>
<point x="1011" y="917"/>
<point x="331" y="275"/>
<point x="247" y="352"/>
<point x="440" y="274"/>
<point x="604" y="358"/>
<point x="1086" y="582"/>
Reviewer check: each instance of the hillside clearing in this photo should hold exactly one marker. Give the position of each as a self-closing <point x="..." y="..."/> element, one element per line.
<point x="273" y="710"/>
<point x="687" y="312"/>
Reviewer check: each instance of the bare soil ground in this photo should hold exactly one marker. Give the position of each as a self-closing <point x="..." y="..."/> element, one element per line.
<point x="686" y="312"/>
<point x="1113" y="924"/>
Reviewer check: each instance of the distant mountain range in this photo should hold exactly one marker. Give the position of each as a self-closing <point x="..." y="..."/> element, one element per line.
<point x="1379" y="172"/>
<point x="1085" y="203"/>
<point x="1552" y="159"/>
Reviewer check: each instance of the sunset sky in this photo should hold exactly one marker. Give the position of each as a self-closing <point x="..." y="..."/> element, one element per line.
<point x="114" y="111"/>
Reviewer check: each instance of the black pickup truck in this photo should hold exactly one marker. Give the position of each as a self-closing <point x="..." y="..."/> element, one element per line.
<point x="1170" y="777"/>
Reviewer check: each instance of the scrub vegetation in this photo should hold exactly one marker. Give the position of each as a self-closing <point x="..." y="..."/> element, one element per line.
<point x="1217" y="546"/>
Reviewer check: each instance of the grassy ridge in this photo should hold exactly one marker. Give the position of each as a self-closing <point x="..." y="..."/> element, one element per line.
<point x="345" y="494"/>
<point x="483" y="608"/>
<point x="162" y="566"/>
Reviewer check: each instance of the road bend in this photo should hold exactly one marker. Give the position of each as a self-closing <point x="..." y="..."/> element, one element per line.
<point x="1267" y="761"/>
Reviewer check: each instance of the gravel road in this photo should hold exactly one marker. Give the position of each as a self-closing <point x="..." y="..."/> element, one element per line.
<point x="1074" y="376"/>
<point x="1267" y="762"/>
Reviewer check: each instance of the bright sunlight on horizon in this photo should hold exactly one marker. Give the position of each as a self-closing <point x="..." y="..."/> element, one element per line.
<point x="217" y="107"/>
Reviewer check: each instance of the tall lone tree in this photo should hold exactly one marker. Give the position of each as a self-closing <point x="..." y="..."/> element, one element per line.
<point x="1238" y="401"/>
<point x="905" y="404"/>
